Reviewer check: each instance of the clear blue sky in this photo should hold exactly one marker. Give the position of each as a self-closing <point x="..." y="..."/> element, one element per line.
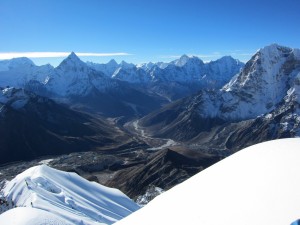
<point x="154" y="30"/>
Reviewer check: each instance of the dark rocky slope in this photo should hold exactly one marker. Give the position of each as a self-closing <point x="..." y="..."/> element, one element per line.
<point x="43" y="127"/>
<point x="164" y="169"/>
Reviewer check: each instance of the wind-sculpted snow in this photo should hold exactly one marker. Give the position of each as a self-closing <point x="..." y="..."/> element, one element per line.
<point x="49" y="194"/>
<point x="257" y="185"/>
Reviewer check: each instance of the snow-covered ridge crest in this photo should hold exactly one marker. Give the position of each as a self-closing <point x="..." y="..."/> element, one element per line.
<point x="185" y="69"/>
<point x="66" y="196"/>
<point x="257" y="185"/>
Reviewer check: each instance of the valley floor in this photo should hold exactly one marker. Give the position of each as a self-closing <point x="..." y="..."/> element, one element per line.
<point x="155" y="143"/>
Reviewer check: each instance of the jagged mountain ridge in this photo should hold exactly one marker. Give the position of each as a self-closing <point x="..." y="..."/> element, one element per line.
<point x="184" y="69"/>
<point x="180" y="77"/>
<point x="268" y="84"/>
<point x="117" y="89"/>
<point x="80" y="86"/>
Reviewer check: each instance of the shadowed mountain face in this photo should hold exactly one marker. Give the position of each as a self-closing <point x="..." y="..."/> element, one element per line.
<point x="32" y="126"/>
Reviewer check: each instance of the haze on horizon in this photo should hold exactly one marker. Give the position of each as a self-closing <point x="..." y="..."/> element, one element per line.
<point x="138" y="31"/>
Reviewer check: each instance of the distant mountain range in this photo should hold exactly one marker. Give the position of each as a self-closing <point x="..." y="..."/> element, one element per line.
<point x="117" y="89"/>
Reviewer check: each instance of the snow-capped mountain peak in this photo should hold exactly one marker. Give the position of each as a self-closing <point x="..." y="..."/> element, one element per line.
<point x="274" y="50"/>
<point x="126" y="65"/>
<point x="182" y="60"/>
<point x="107" y="69"/>
<point x="16" y="64"/>
<point x="262" y="84"/>
<point x="112" y="63"/>
<point x="146" y="66"/>
<point x="72" y="62"/>
<point x="21" y="62"/>
<point x="228" y="59"/>
<point x="72" y="77"/>
<point x="189" y="61"/>
<point x="264" y="67"/>
<point x="73" y="56"/>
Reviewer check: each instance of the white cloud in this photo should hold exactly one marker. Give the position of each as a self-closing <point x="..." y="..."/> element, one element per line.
<point x="10" y="55"/>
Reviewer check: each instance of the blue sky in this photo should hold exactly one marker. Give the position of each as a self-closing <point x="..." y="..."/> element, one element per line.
<point x="140" y="31"/>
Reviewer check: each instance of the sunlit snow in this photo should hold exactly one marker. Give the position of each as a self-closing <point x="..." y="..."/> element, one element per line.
<point x="60" y="196"/>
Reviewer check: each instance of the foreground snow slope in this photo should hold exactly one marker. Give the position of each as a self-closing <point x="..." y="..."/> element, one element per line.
<point x="62" y="196"/>
<point x="258" y="185"/>
<point x="31" y="216"/>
